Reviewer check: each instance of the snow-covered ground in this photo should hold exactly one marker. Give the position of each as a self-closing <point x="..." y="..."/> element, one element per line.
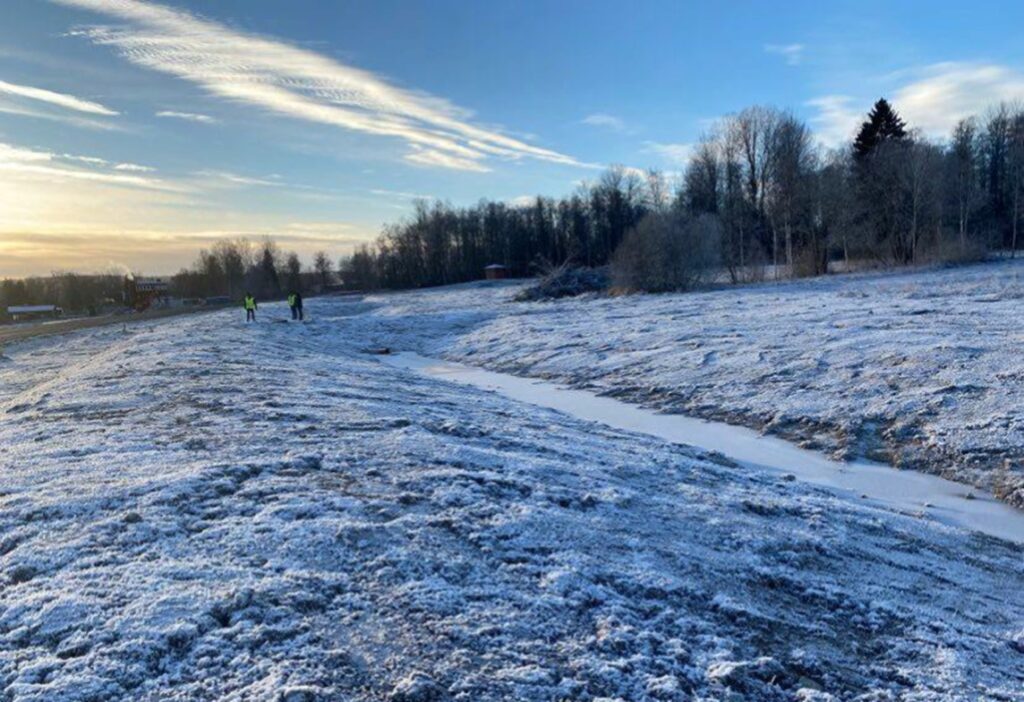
<point x="923" y="370"/>
<point x="202" y="510"/>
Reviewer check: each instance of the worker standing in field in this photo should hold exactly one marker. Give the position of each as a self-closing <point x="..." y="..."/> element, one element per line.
<point x="250" y="307"/>
<point x="295" y="302"/>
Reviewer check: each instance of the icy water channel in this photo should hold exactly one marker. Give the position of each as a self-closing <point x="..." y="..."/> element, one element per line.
<point x="907" y="491"/>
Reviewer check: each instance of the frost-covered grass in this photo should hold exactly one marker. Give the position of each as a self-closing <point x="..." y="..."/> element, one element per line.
<point x="924" y="370"/>
<point x="202" y="510"/>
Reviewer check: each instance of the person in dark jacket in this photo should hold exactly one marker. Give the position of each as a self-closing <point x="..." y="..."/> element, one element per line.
<point x="295" y="302"/>
<point x="250" y="307"/>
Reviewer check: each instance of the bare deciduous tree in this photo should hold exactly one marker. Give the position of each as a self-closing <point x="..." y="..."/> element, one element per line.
<point x="964" y="164"/>
<point x="836" y="208"/>
<point x="700" y="191"/>
<point x="1015" y="169"/>
<point x="323" y="267"/>
<point x="790" y="187"/>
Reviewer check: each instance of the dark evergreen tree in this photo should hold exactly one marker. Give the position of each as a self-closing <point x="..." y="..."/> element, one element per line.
<point x="883" y="124"/>
<point x="293" y="266"/>
<point x="269" y="283"/>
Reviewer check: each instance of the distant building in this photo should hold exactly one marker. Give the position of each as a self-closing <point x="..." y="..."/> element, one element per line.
<point x="496" y="271"/>
<point x="21" y="313"/>
<point x="142" y="293"/>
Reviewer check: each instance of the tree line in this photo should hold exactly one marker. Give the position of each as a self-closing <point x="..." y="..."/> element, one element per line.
<point x="233" y="267"/>
<point x="758" y="197"/>
<point x="891" y="197"/>
<point x="440" y="244"/>
<point x="73" y="292"/>
<point x="227" y="270"/>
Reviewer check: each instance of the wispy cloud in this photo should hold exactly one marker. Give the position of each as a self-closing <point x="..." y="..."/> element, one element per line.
<point x="134" y="168"/>
<point x="187" y="116"/>
<point x="287" y="80"/>
<point x="793" y="53"/>
<point x="836" y="118"/>
<point x="209" y="179"/>
<point x="228" y="178"/>
<point x="16" y="154"/>
<point x="383" y="192"/>
<point x="26" y="163"/>
<point x="931" y="98"/>
<point x="323" y="233"/>
<point x="49" y="97"/>
<point x="71" y="118"/>
<point x="945" y="93"/>
<point x="92" y="160"/>
<point x="675" y="154"/>
<point x="605" y="121"/>
<point x="435" y="157"/>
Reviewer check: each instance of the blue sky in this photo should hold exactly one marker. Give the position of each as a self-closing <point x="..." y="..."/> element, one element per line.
<point x="133" y="133"/>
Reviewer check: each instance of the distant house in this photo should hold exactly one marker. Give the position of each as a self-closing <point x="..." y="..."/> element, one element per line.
<point x="142" y="293"/>
<point x="21" y="313"/>
<point x="496" y="271"/>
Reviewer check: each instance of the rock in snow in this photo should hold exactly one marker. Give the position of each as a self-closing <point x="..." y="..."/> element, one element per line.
<point x="416" y="687"/>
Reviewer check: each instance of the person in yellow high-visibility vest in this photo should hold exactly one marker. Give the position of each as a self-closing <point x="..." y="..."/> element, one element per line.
<point x="250" y="307"/>
<point x="295" y="303"/>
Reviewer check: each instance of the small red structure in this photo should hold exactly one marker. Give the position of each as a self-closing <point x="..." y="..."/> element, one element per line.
<point x="142" y="293"/>
<point x="496" y="271"/>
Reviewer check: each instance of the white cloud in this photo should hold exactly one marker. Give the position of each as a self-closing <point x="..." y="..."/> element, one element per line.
<point x="287" y="80"/>
<point x="945" y="93"/>
<point x="322" y="235"/>
<point x="91" y="160"/>
<point x="30" y="164"/>
<point x="836" y="119"/>
<point x="400" y="194"/>
<point x="523" y="201"/>
<point x="321" y="227"/>
<point x="69" y="102"/>
<point x="229" y="178"/>
<point x="605" y="121"/>
<point x="187" y="116"/>
<point x="676" y="154"/>
<point x="16" y="154"/>
<point x="635" y="172"/>
<point x="11" y="108"/>
<point x="934" y="100"/>
<point x="133" y="168"/>
<point x="793" y="53"/>
<point x="433" y="157"/>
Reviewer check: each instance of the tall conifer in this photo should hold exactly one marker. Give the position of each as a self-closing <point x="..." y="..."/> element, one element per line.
<point x="883" y="124"/>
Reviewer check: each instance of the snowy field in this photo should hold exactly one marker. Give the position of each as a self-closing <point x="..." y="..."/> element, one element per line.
<point x="201" y="510"/>
<point x="921" y="370"/>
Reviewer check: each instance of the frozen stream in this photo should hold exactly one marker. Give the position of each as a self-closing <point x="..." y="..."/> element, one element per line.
<point x="908" y="491"/>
